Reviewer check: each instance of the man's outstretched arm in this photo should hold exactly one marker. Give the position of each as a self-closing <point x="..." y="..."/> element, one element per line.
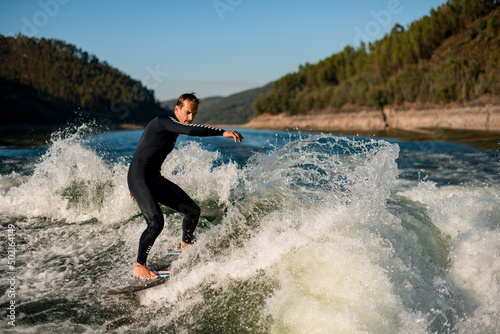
<point x="233" y="134"/>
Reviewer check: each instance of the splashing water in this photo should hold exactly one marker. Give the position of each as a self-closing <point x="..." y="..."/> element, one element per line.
<point x="309" y="234"/>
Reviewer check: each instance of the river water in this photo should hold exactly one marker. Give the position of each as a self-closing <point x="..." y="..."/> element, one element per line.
<point x="300" y="233"/>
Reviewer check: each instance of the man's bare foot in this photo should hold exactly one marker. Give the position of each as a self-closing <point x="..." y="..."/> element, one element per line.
<point x="142" y="272"/>
<point x="183" y="246"/>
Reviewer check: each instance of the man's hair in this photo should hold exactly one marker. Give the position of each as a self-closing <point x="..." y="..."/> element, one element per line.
<point x="187" y="96"/>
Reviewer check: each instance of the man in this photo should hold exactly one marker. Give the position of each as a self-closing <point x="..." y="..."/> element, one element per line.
<point x="149" y="188"/>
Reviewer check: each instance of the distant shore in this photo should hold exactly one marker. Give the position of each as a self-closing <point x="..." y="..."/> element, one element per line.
<point x="480" y="118"/>
<point x="475" y="118"/>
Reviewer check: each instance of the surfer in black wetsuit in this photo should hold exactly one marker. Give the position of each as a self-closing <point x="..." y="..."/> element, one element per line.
<point x="149" y="188"/>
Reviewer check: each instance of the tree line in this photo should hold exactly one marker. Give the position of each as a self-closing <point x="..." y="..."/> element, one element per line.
<point x="450" y="55"/>
<point x="49" y="80"/>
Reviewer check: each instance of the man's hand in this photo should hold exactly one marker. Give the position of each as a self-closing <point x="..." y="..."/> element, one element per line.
<point x="131" y="197"/>
<point x="233" y="134"/>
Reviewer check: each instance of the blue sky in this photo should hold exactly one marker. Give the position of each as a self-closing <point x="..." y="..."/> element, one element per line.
<point x="211" y="47"/>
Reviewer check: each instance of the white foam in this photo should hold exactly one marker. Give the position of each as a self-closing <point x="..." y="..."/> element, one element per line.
<point x="307" y="236"/>
<point x="193" y="169"/>
<point x="470" y="215"/>
<point x="73" y="182"/>
<point x="322" y="252"/>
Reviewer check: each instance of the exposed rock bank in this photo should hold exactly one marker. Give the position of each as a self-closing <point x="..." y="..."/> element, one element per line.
<point x="479" y="118"/>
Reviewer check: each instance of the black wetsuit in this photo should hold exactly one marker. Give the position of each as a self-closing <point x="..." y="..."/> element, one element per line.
<point x="150" y="188"/>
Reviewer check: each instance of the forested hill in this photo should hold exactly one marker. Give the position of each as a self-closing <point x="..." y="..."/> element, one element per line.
<point x="450" y="55"/>
<point x="233" y="109"/>
<point x="47" y="81"/>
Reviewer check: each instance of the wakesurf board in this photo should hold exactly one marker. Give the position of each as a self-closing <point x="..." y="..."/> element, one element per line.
<point x="161" y="267"/>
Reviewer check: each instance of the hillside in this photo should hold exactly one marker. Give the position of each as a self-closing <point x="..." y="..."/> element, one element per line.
<point x="450" y="56"/>
<point x="206" y="102"/>
<point x="234" y="109"/>
<point x="50" y="82"/>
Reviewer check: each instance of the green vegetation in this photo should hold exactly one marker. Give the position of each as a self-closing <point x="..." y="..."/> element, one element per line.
<point x="234" y="109"/>
<point x="47" y="81"/>
<point x="452" y="55"/>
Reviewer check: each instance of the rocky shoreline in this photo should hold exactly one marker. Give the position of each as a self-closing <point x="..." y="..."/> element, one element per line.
<point x="481" y="118"/>
<point x="476" y="118"/>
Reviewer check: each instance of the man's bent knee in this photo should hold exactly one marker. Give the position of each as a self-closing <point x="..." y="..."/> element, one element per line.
<point x="157" y="225"/>
<point x="192" y="211"/>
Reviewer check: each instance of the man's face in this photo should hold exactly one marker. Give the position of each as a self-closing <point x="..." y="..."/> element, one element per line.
<point x="187" y="112"/>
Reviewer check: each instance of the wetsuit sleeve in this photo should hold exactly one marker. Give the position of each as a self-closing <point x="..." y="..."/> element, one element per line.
<point x="173" y="125"/>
